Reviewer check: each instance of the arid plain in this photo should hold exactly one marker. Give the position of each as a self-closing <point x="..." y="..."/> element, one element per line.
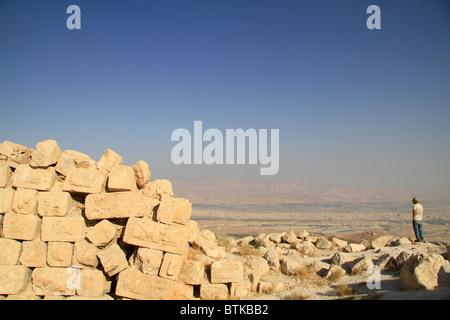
<point x="240" y="208"/>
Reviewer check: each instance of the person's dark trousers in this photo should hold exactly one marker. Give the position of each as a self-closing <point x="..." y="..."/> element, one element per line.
<point x="418" y="229"/>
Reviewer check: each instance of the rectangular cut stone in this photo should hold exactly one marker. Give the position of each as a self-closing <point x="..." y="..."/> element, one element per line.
<point x="166" y="210"/>
<point x="113" y="259"/>
<point x="226" y="271"/>
<point x="55" y="281"/>
<point x="135" y="285"/>
<point x="9" y="251"/>
<point x="115" y="205"/>
<point x="68" y="229"/>
<point x="147" y="260"/>
<point x="25" y="201"/>
<point x="154" y="235"/>
<point x="121" y="178"/>
<point x="13" y="279"/>
<point x="6" y="199"/>
<point x="171" y="266"/>
<point x="72" y="158"/>
<point x="54" y="204"/>
<point x="93" y="283"/>
<point x="34" y="254"/>
<point x="183" y="211"/>
<point x="41" y="179"/>
<point x="85" y="180"/>
<point x="20" y="226"/>
<point x="5" y="175"/>
<point x="59" y="254"/>
<point x="192" y="272"/>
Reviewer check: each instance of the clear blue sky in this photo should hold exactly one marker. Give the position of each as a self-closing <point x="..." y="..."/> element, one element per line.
<point x="353" y="106"/>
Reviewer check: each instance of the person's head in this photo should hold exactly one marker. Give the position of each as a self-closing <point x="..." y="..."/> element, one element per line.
<point x="415" y="200"/>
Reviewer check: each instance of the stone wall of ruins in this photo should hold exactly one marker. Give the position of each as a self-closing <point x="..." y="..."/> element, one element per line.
<point x="74" y="228"/>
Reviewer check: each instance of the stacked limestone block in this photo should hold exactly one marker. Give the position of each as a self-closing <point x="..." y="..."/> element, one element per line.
<point x="74" y="228"/>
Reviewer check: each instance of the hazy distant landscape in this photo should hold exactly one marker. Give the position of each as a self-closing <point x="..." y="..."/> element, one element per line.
<point x="231" y="206"/>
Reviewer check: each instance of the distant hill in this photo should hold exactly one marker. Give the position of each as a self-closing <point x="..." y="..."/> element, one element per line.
<point x="239" y="192"/>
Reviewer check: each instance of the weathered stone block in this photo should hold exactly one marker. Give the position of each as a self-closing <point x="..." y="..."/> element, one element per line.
<point x="16" y="153"/>
<point x="93" y="283"/>
<point x="340" y="244"/>
<point x="41" y="179"/>
<point x="157" y="188"/>
<point x="192" y="272"/>
<point x="420" y="271"/>
<point x="72" y="158"/>
<point x="226" y="271"/>
<point x="183" y="292"/>
<point x="54" y="281"/>
<point x="102" y="233"/>
<point x="360" y="265"/>
<point x="66" y="229"/>
<point x="9" y="251"/>
<point x="153" y="235"/>
<point x="25" y="201"/>
<point x="85" y="180"/>
<point x="218" y="291"/>
<point x="113" y="259"/>
<point x="148" y="261"/>
<point x="183" y="211"/>
<point x="34" y="254"/>
<point x="115" y="205"/>
<point x="5" y="175"/>
<point x="141" y="173"/>
<point x="134" y="284"/>
<point x="21" y="227"/>
<point x="47" y="153"/>
<point x="54" y="204"/>
<point x="121" y="178"/>
<point x="85" y="254"/>
<point x="240" y="289"/>
<point x="13" y="279"/>
<point x="171" y="266"/>
<point x="166" y="210"/>
<point x="6" y="199"/>
<point x="59" y="254"/>
<point x="109" y="159"/>
<point x="355" y="247"/>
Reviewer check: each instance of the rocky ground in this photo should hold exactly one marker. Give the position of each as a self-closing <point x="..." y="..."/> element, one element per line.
<point x="306" y="270"/>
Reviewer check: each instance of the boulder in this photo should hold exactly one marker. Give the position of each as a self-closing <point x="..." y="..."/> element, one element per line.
<point x="420" y="271"/>
<point x="47" y="153"/>
<point x="141" y="173"/>
<point x="109" y="159"/>
<point x="361" y="265"/>
<point x="323" y="243"/>
<point x="355" y="247"/>
<point x="272" y="259"/>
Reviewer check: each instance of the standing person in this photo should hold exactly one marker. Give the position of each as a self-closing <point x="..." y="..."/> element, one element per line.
<point x="417" y="215"/>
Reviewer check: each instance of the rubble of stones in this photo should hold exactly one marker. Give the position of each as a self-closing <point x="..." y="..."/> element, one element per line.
<point x="74" y="228"/>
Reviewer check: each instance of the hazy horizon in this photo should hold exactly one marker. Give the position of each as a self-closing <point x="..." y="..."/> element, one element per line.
<point x="354" y="107"/>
